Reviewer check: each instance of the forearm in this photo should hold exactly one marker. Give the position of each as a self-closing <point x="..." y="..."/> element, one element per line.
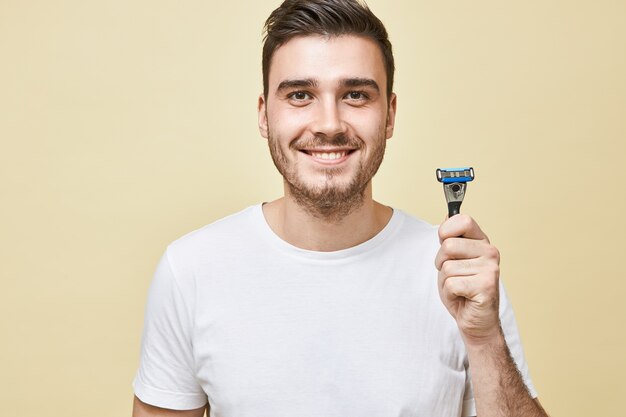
<point x="499" y="389"/>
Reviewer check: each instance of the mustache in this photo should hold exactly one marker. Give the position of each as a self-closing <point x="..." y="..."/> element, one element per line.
<point x="320" y="140"/>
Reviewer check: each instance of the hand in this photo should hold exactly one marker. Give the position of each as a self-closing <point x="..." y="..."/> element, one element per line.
<point x="468" y="278"/>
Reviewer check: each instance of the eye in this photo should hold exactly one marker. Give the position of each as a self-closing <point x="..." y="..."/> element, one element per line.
<point x="357" y="96"/>
<point x="299" y="96"/>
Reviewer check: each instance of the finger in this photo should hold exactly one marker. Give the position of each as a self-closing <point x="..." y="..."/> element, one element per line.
<point x="460" y="248"/>
<point x="461" y="225"/>
<point x="455" y="287"/>
<point x="460" y="268"/>
<point x="481" y="292"/>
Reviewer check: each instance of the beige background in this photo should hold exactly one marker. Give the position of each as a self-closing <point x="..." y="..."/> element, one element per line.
<point x="125" y="124"/>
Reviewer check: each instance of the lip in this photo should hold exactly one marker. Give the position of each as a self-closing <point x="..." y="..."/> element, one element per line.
<point x="309" y="153"/>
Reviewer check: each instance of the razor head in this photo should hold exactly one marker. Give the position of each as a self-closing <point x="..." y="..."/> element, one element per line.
<point x="454" y="185"/>
<point x="450" y="175"/>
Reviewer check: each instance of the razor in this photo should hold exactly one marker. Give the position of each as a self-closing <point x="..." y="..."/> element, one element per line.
<point x="454" y="185"/>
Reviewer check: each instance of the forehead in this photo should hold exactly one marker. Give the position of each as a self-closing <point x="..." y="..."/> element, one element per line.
<point x="327" y="59"/>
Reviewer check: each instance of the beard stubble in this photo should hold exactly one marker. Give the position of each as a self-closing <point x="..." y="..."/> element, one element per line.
<point x="329" y="202"/>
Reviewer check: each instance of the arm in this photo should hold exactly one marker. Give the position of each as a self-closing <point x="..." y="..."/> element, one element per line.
<point x="141" y="409"/>
<point x="165" y="378"/>
<point x="468" y="285"/>
<point x="499" y="389"/>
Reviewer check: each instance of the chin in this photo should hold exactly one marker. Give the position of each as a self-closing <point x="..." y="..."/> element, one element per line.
<point x="325" y="185"/>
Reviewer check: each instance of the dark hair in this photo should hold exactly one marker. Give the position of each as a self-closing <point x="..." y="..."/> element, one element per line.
<point x="326" y="18"/>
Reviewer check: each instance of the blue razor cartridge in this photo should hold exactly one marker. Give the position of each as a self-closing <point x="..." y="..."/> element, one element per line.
<point x="454" y="185"/>
<point x="448" y="175"/>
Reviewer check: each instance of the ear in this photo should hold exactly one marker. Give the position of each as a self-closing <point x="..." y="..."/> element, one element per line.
<point x="262" y="114"/>
<point x="391" y="116"/>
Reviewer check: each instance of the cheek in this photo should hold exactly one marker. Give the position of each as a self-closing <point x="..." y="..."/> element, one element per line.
<point x="367" y="126"/>
<point x="288" y="125"/>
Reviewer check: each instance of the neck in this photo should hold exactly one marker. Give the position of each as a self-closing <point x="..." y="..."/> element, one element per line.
<point x="306" y="229"/>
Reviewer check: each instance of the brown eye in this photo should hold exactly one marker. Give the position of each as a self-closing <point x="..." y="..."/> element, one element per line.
<point x="299" y="95"/>
<point x="357" y="96"/>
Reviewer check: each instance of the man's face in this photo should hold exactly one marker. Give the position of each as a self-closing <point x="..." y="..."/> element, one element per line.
<point x="327" y="118"/>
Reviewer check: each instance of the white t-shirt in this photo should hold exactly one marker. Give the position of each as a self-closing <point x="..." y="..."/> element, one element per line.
<point x="261" y="328"/>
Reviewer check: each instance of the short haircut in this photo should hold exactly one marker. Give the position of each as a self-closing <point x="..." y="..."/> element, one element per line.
<point x="325" y="18"/>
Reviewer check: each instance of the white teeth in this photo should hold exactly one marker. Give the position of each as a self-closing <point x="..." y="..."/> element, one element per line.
<point x="328" y="155"/>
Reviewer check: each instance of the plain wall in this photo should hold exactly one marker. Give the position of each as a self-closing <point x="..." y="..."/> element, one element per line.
<point x="124" y="125"/>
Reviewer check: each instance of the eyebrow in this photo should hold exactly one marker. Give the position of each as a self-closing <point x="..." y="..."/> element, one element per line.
<point x="360" y="82"/>
<point x="312" y="83"/>
<point x="301" y="83"/>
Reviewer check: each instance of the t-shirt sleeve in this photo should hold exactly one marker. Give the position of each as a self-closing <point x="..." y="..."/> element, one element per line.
<point x="511" y="335"/>
<point x="166" y="374"/>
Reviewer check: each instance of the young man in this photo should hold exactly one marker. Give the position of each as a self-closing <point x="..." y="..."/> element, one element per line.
<point x="326" y="302"/>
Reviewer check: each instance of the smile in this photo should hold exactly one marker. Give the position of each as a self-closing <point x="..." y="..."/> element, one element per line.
<point x="327" y="156"/>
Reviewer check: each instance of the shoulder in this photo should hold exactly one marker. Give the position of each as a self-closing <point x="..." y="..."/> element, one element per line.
<point x="415" y="224"/>
<point x="415" y="231"/>
<point x="214" y="239"/>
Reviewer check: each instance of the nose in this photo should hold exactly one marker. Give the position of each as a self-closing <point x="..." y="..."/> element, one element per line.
<point x="328" y="119"/>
